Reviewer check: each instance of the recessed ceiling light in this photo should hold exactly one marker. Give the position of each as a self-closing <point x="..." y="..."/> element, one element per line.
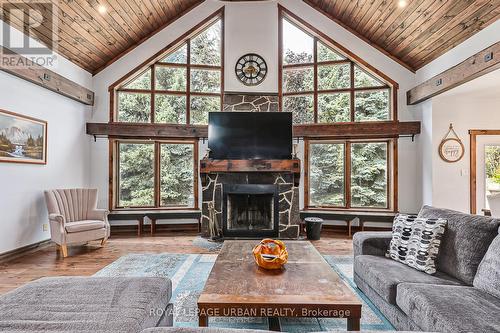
<point x="102" y="9"/>
<point x="402" y="3"/>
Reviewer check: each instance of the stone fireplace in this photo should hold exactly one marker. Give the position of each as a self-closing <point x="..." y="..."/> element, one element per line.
<point x="250" y="198"/>
<point x="252" y="202"/>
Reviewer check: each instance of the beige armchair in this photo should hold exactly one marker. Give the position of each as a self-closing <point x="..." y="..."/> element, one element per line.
<point x="74" y="217"/>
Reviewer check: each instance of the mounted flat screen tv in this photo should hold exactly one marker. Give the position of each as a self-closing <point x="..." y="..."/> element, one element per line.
<point x="250" y="135"/>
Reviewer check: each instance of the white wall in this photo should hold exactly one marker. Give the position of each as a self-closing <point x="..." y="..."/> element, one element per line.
<point x="253" y="27"/>
<point x="22" y="206"/>
<point x="475" y="105"/>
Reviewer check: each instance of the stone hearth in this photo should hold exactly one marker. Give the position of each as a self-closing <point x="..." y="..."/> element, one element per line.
<point x="213" y="200"/>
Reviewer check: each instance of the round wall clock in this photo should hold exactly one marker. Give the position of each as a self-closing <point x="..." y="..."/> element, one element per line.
<point x="251" y="69"/>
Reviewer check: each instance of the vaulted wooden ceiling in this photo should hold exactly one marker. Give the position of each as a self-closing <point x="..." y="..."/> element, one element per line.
<point x="414" y="34"/>
<point x="94" y="33"/>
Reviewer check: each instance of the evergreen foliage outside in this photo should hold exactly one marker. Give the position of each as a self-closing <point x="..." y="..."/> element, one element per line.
<point x="136" y="174"/>
<point x="369" y="164"/>
<point x="176" y="175"/>
<point x="205" y="49"/>
<point x="326" y="174"/>
<point x="369" y="175"/>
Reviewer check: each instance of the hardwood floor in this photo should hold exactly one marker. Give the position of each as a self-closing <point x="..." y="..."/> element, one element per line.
<point x="87" y="260"/>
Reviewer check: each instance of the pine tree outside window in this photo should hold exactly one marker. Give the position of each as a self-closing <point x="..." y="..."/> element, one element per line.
<point x="178" y="85"/>
<point x="349" y="174"/>
<point x="321" y="85"/>
<point x="155" y="174"/>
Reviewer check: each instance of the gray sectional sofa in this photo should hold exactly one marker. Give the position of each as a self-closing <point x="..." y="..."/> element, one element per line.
<point x="228" y="330"/>
<point x="463" y="296"/>
<point x="87" y="304"/>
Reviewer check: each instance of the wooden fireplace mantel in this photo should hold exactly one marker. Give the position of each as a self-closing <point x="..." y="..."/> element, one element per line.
<point x="213" y="166"/>
<point x="210" y="166"/>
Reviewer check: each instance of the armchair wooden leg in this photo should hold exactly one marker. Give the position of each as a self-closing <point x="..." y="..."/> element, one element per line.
<point x="64" y="250"/>
<point x="103" y="241"/>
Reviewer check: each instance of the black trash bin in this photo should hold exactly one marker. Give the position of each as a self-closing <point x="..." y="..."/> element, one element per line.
<point x="313" y="227"/>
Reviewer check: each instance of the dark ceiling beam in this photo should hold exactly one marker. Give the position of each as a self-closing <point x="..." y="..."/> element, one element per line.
<point x="25" y="69"/>
<point x="479" y="64"/>
<point x="382" y="129"/>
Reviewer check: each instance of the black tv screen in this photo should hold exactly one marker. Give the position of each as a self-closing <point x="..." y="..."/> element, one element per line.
<point x="250" y="135"/>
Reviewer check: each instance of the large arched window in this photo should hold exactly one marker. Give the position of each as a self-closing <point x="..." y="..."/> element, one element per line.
<point x="321" y="82"/>
<point x="180" y="86"/>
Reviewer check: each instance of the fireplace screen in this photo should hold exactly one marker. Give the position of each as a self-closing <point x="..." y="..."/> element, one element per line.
<point x="250" y="211"/>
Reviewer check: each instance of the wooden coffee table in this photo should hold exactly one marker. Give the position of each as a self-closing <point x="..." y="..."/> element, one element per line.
<point x="306" y="287"/>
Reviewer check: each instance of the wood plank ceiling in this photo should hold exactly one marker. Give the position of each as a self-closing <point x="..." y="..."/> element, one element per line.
<point x="414" y="34"/>
<point x="94" y="33"/>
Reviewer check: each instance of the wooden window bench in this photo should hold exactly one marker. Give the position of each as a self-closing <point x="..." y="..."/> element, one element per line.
<point x="387" y="217"/>
<point x="154" y="215"/>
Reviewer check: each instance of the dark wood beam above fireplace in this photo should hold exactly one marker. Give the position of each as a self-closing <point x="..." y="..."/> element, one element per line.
<point x="147" y="131"/>
<point x="384" y="129"/>
<point x="214" y="166"/>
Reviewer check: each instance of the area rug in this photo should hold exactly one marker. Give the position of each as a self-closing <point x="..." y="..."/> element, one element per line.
<point x="206" y="244"/>
<point x="189" y="272"/>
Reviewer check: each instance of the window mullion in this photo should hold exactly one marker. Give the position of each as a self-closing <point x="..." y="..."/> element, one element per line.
<point x="156" y="164"/>
<point x="347" y="175"/>
<point x="153" y="86"/>
<point x="188" y="82"/>
<point x="315" y="60"/>
<point x="195" y="174"/>
<point x="352" y="105"/>
<point x="115" y="172"/>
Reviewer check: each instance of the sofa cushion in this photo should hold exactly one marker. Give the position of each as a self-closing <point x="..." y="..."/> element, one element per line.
<point x="86" y="225"/>
<point x="415" y="241"/>
<point x="464" y="243"/>
<point x="449" y="308"/>
<point x="86" y="304"/>
<point x="383" y="275"/>
<point x="488" y="273"/>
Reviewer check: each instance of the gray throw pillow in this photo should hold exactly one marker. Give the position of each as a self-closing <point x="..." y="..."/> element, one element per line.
<point x="465" y="242"/>
<point x="415" y="241"/>
<point x="488" y="274"/>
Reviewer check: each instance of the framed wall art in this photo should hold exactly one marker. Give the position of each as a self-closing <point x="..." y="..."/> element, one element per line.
<point x="451" y="149"/>
<point x="22" y="139"/>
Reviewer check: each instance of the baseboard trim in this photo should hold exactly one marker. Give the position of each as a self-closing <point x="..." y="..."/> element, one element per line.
<point x="9" y="255"/>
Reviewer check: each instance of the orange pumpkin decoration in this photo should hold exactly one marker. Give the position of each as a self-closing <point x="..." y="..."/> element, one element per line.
<point x="270" y="254"/>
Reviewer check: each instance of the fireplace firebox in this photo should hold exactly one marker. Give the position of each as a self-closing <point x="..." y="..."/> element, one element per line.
<point x="250" y="210"/>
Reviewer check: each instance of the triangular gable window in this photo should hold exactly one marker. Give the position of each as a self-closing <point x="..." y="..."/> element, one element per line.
<point x="322" y="84"/>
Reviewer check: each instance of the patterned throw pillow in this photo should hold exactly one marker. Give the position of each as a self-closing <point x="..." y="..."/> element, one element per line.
<point x="415" y="241"/>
